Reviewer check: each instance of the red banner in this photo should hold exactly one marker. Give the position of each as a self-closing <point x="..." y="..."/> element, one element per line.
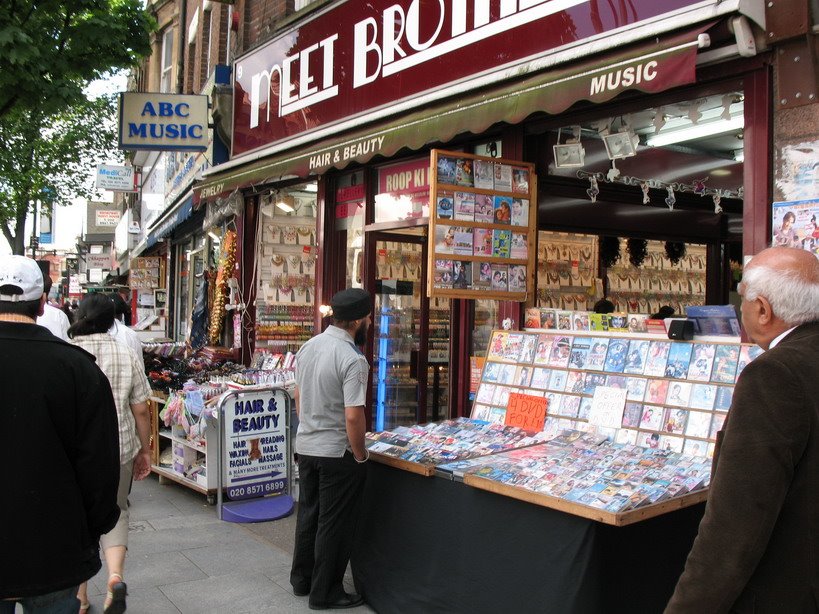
<point x="359" y="57"/>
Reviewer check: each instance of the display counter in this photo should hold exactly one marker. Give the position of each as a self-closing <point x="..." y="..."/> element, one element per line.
<point x="430" y="544"/>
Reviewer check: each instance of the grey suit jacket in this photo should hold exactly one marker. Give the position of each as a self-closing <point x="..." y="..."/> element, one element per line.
<point x="758" y="544"/>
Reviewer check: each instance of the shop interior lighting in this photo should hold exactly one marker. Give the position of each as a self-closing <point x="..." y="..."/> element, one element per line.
<point x="712" y="123"/>
<point x="570" y="153"/>
<point x="739" y="155"/>
<point x="287" y="208"/>
<point x="692" y="132"/>
<point x="216" y="238"/>
<point x="621" y="144"/>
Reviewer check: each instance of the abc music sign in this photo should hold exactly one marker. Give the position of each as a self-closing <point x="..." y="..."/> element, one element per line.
<point x="163" y="122"/>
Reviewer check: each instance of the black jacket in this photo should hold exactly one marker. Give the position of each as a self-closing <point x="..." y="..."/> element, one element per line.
<point x="59" y="462"/>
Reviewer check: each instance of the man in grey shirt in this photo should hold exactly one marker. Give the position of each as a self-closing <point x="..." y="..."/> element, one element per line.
<point x="331" y="388"/>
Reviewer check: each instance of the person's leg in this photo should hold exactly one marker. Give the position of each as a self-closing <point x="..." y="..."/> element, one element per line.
<point x="7" y="607"/>
<point x="59" y="602"/>
<point x="342" y="481"/>
<point x="115" y="543"/>
<point x="82" y="595"/>
<point x="301" y="573"/>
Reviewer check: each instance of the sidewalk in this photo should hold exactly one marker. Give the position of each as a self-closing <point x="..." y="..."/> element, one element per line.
<point x="181" y="558"/>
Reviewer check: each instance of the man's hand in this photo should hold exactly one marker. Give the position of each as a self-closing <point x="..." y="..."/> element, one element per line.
<point x="142" y="464"/>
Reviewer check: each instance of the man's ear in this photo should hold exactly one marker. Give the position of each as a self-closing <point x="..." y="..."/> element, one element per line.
<point x="765" y="312"/>
<point x="41" y="311"/>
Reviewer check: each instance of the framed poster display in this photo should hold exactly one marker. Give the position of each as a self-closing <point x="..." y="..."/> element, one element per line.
<point x="482" y="229"/>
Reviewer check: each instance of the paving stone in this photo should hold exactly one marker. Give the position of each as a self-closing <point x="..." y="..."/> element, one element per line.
<point x="240" y="555"/>
<point x="184" y="538"/>
<point x="160" y="569"/>
<point x="237" y="592"/>
<point x="145" y="600"/>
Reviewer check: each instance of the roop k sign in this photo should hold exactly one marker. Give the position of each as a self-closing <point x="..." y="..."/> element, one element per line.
<point x="163" y="122"/>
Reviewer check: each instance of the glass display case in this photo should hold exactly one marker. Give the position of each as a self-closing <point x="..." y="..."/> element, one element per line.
<point x="395" y="344"/>
<point x="411" y="339"/>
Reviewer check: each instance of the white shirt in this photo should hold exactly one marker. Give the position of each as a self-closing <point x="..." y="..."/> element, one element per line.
<point x="56" y="321"/>
<point x="129" y="338"/>
<point x="780" y="337"/>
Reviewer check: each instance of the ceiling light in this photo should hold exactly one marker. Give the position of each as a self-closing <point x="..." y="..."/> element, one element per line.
<point x="570" y="153"/>
<point x="739" y="155"/>
<point x="285" y="206"/>
<point x="698" y="131"/>
<point x="621" y="144"/>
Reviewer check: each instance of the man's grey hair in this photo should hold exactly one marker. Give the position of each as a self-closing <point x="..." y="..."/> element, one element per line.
<point x="793" y="298"/>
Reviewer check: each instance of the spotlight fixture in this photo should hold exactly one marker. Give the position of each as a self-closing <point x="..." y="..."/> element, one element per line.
<point x="621" y="144"/>
<point x="570" y="153"/>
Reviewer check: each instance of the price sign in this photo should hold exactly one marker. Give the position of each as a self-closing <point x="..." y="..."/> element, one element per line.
<point x="526" y="412"/>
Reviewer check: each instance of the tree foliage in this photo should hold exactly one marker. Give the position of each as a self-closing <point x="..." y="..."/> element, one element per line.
<point x="51" y="158"/>
<point x="50" y="50"/>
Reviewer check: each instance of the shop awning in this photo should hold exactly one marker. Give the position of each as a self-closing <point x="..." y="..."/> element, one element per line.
<point x="174" y="216"/>
<point x="651" y="67"/>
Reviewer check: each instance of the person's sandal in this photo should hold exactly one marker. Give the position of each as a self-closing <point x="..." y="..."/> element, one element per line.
<point x="115" y="599"/>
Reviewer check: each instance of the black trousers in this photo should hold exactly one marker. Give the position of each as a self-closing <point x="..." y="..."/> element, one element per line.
<point x="330" y="491"/>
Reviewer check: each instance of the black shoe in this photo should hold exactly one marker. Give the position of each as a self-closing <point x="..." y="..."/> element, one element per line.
<point x="300" y="591"/>
<point x="350" y="600"/>
<point x="118" y="592"/>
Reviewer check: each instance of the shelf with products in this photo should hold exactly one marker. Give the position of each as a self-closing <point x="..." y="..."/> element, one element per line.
<point x="567" y="273"/>
<point x="638" y="394"/>
<point x="659" y="281"/>
<point x="286" y="263"/>
<point x="283" y="326"/>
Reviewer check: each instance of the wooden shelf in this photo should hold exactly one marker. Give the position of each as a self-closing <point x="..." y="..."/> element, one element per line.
<point x="184" y="442"/>
<point x="400" y="463"/>
<point x="164" y="472"/>
<point x="585" y="511"/>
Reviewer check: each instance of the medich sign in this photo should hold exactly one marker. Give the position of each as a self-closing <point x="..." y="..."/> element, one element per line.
<point x="357" y="57"/>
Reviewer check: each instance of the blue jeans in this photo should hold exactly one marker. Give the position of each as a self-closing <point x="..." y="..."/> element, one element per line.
<point x="58" y="602"/>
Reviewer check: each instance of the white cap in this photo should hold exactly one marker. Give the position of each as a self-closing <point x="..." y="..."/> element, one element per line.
<point x="24" y="273"/>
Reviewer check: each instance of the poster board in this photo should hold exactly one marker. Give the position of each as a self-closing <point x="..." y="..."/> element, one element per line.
<point x="482" y="230"/>
<point x="147" y="273"/>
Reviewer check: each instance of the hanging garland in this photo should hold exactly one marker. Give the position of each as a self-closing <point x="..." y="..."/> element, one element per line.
<point x="227" y="260"/>
<point x="675" y="251"/>
<point x="637" y="251"/>
<point x="609" y="251"/>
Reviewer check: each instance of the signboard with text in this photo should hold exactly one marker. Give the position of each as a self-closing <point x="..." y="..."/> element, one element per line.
<point x="108" y="218"/>
<point x="163" y="122"/>
<point x="255" y="444"/>
<point x="357" y="58"/>
<point x="98" y="261"/>
<point x="116" y="178"/>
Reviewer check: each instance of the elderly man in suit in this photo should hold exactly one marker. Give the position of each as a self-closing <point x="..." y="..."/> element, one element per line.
<point x="757" y="546"/>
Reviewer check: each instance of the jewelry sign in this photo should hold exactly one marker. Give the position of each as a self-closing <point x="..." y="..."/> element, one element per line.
<point x="255" y="443"/>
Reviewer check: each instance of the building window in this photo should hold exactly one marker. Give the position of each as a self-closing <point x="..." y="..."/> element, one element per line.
<point x="166" y="83"/>
<point x="300" y="4"/>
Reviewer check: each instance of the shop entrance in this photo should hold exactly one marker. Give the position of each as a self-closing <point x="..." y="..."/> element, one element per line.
<point x="411" y="334"/>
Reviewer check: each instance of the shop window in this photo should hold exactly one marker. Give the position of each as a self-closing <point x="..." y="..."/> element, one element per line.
<point x="349" y="214"/>
<point x="692" y="146"/>
<point x="403" y="191"/>
<point x="286" y="264"/>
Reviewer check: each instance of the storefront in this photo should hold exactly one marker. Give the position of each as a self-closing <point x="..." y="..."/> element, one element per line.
<point x="333" y="125"/>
